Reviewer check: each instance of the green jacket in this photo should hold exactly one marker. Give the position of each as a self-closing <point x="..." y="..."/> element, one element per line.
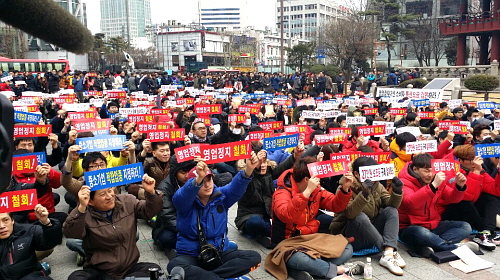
<point x="379" y="198"/>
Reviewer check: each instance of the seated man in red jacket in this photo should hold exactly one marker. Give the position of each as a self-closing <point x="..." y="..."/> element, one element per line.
<point x="296" y="204"/>
<point x="358" y="140"/>
<point x="419" y="220"/>
<point x="480" y="205"/>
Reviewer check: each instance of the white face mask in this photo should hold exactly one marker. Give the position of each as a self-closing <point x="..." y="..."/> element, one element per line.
<point x="237" y="131"/>
<point x="248" y="122"/>
<point x="365" y="141"/>
<point x="474" y="119"/>
<point x="216" y="128"/>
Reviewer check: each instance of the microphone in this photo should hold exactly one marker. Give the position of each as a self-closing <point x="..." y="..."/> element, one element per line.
<point x="177" y="273"/>
<point x="47" y="20"/>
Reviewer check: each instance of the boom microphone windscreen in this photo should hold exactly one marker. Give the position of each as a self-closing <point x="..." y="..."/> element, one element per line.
<point x="47" y="20"/>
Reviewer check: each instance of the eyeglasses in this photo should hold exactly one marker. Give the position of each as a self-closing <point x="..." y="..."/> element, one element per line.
<point x="202" y="128"/>
<point x="100" y="166"/>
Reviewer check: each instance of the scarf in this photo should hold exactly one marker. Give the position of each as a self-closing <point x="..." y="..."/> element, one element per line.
<point x="200" y="140"/>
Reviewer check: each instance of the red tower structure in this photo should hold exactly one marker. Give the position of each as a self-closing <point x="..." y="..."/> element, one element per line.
<point x="484" y="24"/>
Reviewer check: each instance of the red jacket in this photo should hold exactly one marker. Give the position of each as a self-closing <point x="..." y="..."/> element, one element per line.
<point x="47" y="200"/>
<point x="420" y="205"/>
<point x="294" y="214"/>
<point x="479" y="183"/>
<point x="350" y="146"/>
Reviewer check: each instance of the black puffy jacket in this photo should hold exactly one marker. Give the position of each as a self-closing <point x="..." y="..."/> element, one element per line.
<point x="17" y="253"/>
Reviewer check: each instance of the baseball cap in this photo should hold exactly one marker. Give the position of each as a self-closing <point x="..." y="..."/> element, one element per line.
<point x="193" y="174"/>
<point x="458" y="110"/>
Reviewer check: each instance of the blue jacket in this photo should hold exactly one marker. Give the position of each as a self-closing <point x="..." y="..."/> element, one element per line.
<point x="392" y="80"/>
<point x="79" y="87"/>
<point x="213" y="216"/>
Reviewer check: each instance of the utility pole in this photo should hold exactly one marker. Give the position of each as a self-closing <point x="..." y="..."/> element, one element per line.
<point x="282" y="49"/>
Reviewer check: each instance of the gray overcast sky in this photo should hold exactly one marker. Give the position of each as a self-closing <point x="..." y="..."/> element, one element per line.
<point x="185" y="11"/>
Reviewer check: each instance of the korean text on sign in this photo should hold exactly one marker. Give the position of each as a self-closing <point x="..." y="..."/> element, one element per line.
<point x="371" y="130"/>
<point x="24" y="164"/>
<point x="421" y="147"/>
<point x="271" y="125"/>
<point x="101" y="143"/>
<point x="208" y="109"/>
<point x="458" y="129"/>
<point x="449" y="167"/>
<point x="81" y="115"/>
<point x="340" y="130"/>
<point x="259" y="135"/>
<point x="237" y="118"/>
<point x="187" y="152"/>
<point x="325" y="139"/>
<point x="398" y="111"/>
<point x="370" y="111"/>
<point x="384" y="157"/>
<point x="487" y="150"/>
<point x="32" y="130"/>
<point x="426" y="115"/>
<point x="41" y="157"/>
<point x="18" y="201"/>
<point x="248" y="109"/>
<point x="24" y="117"/>
<point x="328" y="168"/>
<point x="356" y="120"/>
<point x="91" y="125"/>
<point x="347" y="156"/>
<point x="167" y="135"/>
<point x="377" y="172"/>
<point x="143" y="118"/>
<point x="445" y="125"/>
<point x="112" y="177"/>
<point x="226" y="152"/>
<point x="143" y="127"/>
<point x="278" y="143"/>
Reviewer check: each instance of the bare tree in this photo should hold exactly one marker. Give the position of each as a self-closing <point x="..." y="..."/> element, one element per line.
<point x="347" y="40"/>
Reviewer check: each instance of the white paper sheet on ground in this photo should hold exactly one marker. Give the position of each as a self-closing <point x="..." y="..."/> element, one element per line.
<point x="469" y="261"/>
<point x="330" y="213"/>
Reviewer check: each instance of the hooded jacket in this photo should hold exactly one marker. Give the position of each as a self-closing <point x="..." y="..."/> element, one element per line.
<point x="111" y="246"/>
<point x="351" y="146"/>
<point x="294" y="214"/>
<point x="420" y="205"/>
<point x="378" y="199"/>
<point x="400" y="157"/>
<point x="258" y="197"/>
<point x="213" y="216"/>
<point x="17" y="252"/>
<point x="167" y="218"/>
<point x="479" y="183"/>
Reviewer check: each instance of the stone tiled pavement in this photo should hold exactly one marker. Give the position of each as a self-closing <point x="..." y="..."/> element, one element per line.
<point x="63" y="261"/>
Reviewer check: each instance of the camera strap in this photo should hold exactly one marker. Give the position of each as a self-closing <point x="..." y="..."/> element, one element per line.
<point x="201" y="234"/>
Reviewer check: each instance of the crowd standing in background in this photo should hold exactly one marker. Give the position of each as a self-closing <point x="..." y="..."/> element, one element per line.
<point x="313" y="223"/>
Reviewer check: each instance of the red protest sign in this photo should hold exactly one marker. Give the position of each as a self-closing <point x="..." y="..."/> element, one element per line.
<point x="226" y="152"/>
<point x="237" y="118"/>
<point x="296" y="128"/>
<point x="370" y="111"/>
<point x="347" y="156"/>
<point x="372" y="130"/>
<point x="144" y="127"/>
<point x="325" y="139"/>
<point x="445" y="125"/>
<point x="116" y="94"/>
<point x="187" y="152"/>
<point x="284" y="102"/>
<point x="380" y="158"/>
<point x="18" y="201"/>
<point x="143" y="118"/>
<point x="340" y="130"/>
<point x="32" y="130"/>
<point x="426" y="115"/>
<point x="328" y="168"/>
<point x="91" y="125"/>
<point x="64" y="100"/>
<point x="206" y="97"/>
<point x="208" y="109"/>
<point x="160" y="111"/>
<point x="449" y="167"/>
<point x="259" y="135"/>
<point x="82" y="115"/>
<point x="339" y="95"/>
<point x="94" y="93"/>
<point x="182" y="101"/>
<point x="458" y="129"/>
<point x="24" y="164"/>
<point x="271" y="125"/>
<point x="248" y="109"/>
<point x="29" y="108"/>
<point x="398" y="111"/>
<point x="167" y="135"/>
<point x="206" y="121"/>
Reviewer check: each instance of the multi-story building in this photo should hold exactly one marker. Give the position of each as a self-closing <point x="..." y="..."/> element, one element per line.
<point x="125" y="18"/>
<point x="223" y="15"/>
<point x="305" y="18"/>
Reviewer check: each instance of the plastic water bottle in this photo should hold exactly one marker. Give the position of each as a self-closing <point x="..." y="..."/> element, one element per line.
<point x="368" y="272"/>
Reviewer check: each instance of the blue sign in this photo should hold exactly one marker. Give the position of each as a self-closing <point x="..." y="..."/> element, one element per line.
<point x="101" y="132"/>
<point x="258" y="95"/>
<point x="40" y="156"/>
<point x="421" y="103"/>
<point x="483" y="105"/>
<point x="487" y="150"/>
<point x="112" y="177"/>
<point x="115" y="115"/>
<point x="101" y="143"/>
<point x="24" y="117"/>
<point x="281" y="142"/>
<point x="221" y="96"/>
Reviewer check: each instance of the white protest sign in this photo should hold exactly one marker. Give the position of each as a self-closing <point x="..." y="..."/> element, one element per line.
<point x="132" y="111"/>
<point x="23" y="102"/>
<point x="411" y="129"/>
<point x="8" y="94"/>
<point x="421" y="147"/>
<point x="76" y="107"/>
<point x="454" y="103"/>
<point x="496" y="124"/>
<point x="97" y="102"/>
<point x="356" y="120"/>
<point x="6" y="78"/>
<point x="20" y="82"/>
<point x="137" y="103"/>
<point x="434" y="95"/>
<point x="324" y="106"/>
<point x="377" y="172"/>
<point x="389" y="127"/>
